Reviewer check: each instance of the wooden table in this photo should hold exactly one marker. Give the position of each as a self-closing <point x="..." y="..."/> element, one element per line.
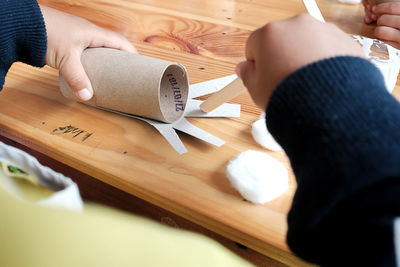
<point x="208" y="37"/>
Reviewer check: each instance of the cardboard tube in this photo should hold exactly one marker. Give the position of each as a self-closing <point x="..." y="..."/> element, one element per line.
<point x="134" y="84"/>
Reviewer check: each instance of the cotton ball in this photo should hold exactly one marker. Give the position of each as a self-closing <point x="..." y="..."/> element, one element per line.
<point x="350" y="1"/>
<point x="262" y="136"/>
<point x="258" y="177"/>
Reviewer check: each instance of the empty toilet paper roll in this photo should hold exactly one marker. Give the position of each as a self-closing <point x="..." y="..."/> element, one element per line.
<point x="134" y="84"/>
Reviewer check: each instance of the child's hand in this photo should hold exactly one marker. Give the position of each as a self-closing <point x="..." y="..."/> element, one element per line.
<point x="388" y="22"/>
<point x="67" y="37"/>
<point x="276" y="50"/>
<point x="369" y="15"/>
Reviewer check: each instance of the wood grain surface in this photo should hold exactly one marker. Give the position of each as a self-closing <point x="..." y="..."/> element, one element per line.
<point x="208" y="37"/>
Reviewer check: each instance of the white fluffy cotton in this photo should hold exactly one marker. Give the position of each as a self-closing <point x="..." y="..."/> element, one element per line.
<point x="258" y="177"/>
<point x="350" y="1"/>
<point x="262" y="136"/>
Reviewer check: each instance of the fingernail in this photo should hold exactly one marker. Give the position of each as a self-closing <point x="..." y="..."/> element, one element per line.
<point x="84" y="94"/>
<point x="373" y="16"/>
<point x="373" y="8"/>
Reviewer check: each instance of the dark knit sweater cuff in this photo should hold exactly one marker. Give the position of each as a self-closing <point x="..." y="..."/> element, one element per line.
<point x="22" y="32"/>
<point x="319" y="104"/>
<point x="331" y="116"/>
<point x="341" y="131"/>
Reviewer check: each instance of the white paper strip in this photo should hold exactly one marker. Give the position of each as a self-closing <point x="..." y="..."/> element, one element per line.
<point x="165" y="130"/>
<point x="225" y="110"/>
<point x="313" y="10"/>
<point x="184" y="126"/>
<point x="211" y="86"/>
<point x="169" y="134"/>
<point x="192" y="110"/>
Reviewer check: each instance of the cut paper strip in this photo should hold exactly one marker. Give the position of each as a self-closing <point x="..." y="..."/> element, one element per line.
<point x="225" y="110"/>
<point x="313" y="9"/>
<point x="211" y="86"/>
<point x="167" y="130"/>
<point x="169" y="134"/>
<point x="184" y="126"/>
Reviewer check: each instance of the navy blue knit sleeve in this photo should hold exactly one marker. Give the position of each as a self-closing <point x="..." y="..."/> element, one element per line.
<point x="22" y="35"/>
<point x="341" y="131"/>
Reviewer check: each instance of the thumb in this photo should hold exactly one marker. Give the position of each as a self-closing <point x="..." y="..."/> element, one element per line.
<point x="74" y="74"/>
<point x="246" y="71"/>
